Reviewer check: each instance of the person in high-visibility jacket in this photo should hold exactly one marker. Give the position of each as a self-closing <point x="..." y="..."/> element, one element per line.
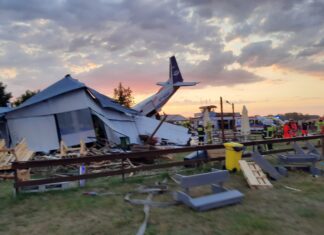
<point x="209" y="132"/>
<point x="268" y="133"/>
<point x="201" y="135"/>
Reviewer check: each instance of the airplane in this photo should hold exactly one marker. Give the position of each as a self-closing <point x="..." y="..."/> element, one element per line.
<point x="153" y="104"/>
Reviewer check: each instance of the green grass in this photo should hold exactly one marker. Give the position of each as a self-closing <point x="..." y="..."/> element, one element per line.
<point x="272" y="211"/>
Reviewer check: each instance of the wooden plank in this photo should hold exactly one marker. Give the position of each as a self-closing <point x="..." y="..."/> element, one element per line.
<point x="23" y="175"/>
<point x="215" y="153"/>
<point x="2" y="144"/>
<point x="248" y="173"/>
<point x="254" y="175"/>
<point x="7" y="167"/>
<point x="21" y="151"/>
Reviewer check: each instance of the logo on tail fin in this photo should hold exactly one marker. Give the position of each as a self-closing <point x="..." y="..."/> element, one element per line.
<point x="176" y="73"/>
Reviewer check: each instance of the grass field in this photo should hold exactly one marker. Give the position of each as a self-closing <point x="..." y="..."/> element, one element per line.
<point x="272" y="211"/>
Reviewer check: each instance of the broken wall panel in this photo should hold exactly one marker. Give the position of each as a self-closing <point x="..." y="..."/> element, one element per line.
<point x="76" y="125"/>
<point x="120" y="128"/>
<point x="39" y="132"/>
<point x="173" y="133"/>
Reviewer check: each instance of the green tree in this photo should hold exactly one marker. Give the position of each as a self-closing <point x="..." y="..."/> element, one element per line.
<point x="123" y="95"/>
<point x="4" y="96"/>
<point x="24" y="97"/>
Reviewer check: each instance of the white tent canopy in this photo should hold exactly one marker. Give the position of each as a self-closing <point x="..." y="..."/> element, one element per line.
<point x="245" y="124"/>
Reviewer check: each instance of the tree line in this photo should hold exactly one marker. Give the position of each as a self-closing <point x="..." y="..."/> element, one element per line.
<point x="122" y="95"/>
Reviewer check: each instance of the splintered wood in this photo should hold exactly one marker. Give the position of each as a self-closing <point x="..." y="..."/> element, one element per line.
<point x="5" y="157"/>
<point x="22" y="152"/>
<point x="254" y="175"/>
<point x="66" y="151"/>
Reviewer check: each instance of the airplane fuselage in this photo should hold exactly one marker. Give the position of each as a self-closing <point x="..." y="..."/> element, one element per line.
<point x="153" y="104"/>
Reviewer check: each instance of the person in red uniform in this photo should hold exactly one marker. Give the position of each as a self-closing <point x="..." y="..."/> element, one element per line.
<point x="304" y="128"/>
<point x="293" y="128"/>
<point x="286" y="130"/>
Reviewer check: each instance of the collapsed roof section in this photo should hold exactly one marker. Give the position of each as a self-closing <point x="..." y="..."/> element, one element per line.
<point x="107" y="102"/>
<point x="68" y="84"/>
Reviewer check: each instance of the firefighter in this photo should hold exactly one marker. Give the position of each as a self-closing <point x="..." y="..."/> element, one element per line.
<point x="286" y="130"/>
<point x="293" y="128"/>
<point x="201" y="134"/>
<point x="268" y="133"/>
<point x="304" y="128"/>
<point x="279" y="131"/>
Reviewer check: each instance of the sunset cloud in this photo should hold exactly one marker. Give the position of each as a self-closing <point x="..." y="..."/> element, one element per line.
<point x="223" y="43"/>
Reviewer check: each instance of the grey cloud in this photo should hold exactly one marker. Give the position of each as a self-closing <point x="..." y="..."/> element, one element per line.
<point x="139" y="53"/>
<point x="298" y="17"/>
<point x="214" y="72"/>
<point x="261" y="54"/>
<point x="127" y="32"/>
<point x="236" y="9"/>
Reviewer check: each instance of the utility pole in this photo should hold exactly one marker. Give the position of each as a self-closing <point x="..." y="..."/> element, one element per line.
<point x="233" y="114"/>
<point x="234" y="126"/>
<point x="222" y="119"/>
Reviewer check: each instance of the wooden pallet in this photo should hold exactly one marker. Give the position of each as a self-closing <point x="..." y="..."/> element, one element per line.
<point x="254" y="175"/>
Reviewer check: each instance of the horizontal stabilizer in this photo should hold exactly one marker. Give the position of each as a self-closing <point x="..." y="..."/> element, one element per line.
<point x="177" y="84"/>
<point x="185" y="84"/>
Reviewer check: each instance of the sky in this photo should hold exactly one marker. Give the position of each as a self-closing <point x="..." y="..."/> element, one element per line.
<point x="267" y="55"/>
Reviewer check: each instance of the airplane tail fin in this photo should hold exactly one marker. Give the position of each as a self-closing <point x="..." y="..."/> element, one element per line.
<point x="175" y="74"/>
<point x="175" y="77"/>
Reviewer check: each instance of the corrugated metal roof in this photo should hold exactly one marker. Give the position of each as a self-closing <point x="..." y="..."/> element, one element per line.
<point x="68" y="84"/>
<point x="4" y="110"/>
<point x="107" y="102"/>
<point x="64" y="85"/>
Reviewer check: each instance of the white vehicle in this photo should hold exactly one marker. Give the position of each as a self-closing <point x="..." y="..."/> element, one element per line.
<point x="257" y="123"/>
<point x="153" y="104"/>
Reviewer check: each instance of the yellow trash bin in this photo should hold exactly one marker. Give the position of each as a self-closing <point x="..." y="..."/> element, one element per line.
<point x="233" y="153"/>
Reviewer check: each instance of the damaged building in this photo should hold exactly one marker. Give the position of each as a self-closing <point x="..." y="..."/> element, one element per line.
<point x="70" y="111"/>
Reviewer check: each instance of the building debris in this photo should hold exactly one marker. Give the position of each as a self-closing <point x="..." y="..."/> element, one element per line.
<point x="291" y="188"/>
<point x="220" y="196"/>
<point x="66" y="151"/>
<point x="254" y="175"/>
<point x="20" y="152"/>
<point x="265" y="165"/>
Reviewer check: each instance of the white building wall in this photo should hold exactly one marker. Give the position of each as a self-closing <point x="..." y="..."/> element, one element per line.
<point x="39" y="132"/>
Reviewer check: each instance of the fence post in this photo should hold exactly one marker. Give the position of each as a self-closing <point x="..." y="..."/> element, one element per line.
<point x="322" y="144"/>
<point x="16" y="182"/>
<point x="123" y="174"/>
